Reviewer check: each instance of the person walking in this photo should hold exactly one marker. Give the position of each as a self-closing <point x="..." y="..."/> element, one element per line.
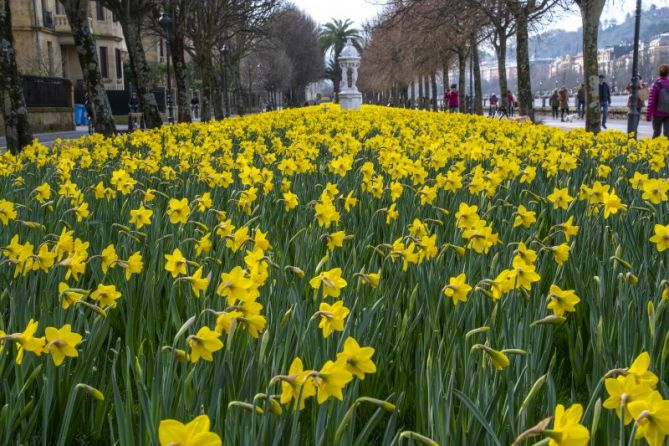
<point x="642" y="95"/>
<point x="195" y="106"/>
<point x="510" y="101"/>
<point x="452" y="98"/>
<point x="604" y="98"/>
<point x="554" y="103"/>
<point x="563" y="98"/>
<point x="657" y="111"/>
<point x="493" y="105"/>
<point x="580" y="101"/>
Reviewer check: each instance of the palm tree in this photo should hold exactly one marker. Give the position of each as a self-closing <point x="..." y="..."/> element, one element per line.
<point x="334" y="35"/>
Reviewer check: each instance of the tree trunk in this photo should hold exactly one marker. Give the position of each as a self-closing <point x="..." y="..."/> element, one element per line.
<point x="420" y="92"/>
<point x="435" y="102"/>
<point x="462" y="73"/>
<point x="591" y="10"/>
<point x="132" y="31"/>
<point x="426" y="82"/>
<point x="525" y="97"/>
<point x="14" y="109"/>
<point x="204" y="61"/>
<point x="478" y="92"/>
<point x="77" y="15"/>
<point x="236" y="72"/>
<point x="177" y="51"/>
<point x="337" y="78"/>
<point x="413" y="93"/>
<point x="445" y="80"/>
<point x="217" y="97"/>
<point x="500" y="49"/>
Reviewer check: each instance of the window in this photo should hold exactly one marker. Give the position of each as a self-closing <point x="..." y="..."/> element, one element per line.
<point x="119" y="65"/>
<point x="99" y="11"/>
<point x="104" y="63"/>
<point x="59" y="8"/>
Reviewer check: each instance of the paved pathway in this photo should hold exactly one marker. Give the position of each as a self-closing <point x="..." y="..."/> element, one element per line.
<point x="645" y="129"/>
<point x="49" y="138"/>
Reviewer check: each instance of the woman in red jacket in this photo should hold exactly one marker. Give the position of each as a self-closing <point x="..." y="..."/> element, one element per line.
<point x="657" y="111"/>
<point x="453" y="99"/>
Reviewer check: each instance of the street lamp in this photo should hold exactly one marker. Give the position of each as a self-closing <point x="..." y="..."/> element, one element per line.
<point x="166" y="23"/>
<point x="541" y="88"/>
<point x="633" y="116"/>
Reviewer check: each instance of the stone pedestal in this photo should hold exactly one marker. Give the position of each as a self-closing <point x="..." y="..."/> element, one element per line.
<point x="350" y="100"/>
<point x="349" y="96"/>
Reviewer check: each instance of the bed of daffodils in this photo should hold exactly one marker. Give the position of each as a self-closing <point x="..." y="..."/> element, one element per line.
<point x="322" y="277"/>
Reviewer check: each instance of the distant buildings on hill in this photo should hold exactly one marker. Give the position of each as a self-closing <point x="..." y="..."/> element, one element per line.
<point x="615" y="62"/>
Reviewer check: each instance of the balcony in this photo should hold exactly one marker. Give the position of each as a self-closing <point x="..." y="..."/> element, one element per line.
<point x="61" y="23"/>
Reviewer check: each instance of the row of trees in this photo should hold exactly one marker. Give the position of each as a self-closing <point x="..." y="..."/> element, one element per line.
<point x="415" y="39"/>
<point x="269" y="44"/>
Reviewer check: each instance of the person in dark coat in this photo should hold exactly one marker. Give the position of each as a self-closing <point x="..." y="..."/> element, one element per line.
<point x="580" y="101"/>
<point x="555" y="104"/>
<point x="604" y="98"/>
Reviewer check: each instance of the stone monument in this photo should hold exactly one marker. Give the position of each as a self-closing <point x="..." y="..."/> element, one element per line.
<point x="349" y="96"/>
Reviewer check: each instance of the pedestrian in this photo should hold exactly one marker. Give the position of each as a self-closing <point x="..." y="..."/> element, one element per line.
<point x="554" y="103"/>
<point x="642" y="95"/>
<point x="195" y="105"/>
<point x="452" y="98"/>
<point x="580" y="102"/>
<point x="563" y="98"/>
<point x="511" y="101"/>
<point x="604" y="98"/>
<point x="90" y="114"/>
<point x="493" y="105"/>
<point x="658" y="103"/>
<point x="501" y="113"/>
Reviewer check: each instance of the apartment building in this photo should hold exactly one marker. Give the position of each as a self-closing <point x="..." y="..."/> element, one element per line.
<point x="45" y="45"/>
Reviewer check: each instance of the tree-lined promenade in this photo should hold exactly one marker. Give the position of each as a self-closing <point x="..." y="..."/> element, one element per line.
<point x="234" y="48"/>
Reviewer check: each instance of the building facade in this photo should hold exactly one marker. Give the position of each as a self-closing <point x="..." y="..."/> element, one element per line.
<point x="45" y="45"/>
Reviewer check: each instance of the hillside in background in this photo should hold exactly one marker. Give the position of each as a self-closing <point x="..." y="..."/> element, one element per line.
<point x="555" y="43"/>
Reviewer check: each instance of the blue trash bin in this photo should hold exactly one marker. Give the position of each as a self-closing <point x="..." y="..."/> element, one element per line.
<point x="80" y="117"/>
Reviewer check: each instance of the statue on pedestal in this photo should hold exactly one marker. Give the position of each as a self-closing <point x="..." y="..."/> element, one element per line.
<point x="349" y="96"/>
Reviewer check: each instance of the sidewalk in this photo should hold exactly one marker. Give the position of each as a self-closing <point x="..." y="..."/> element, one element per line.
<point x="49" y="138"/>
<point x="645" y="129"/>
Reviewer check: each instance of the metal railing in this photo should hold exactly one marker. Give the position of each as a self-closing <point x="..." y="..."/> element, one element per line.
<point x="47" y="91"/>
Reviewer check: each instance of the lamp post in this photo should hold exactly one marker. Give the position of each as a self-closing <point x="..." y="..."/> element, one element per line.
<point x="633" y="116"/>
<point x="132" y="107"/>
<point x="541" y="88"/>
<point x="166" y="23"/>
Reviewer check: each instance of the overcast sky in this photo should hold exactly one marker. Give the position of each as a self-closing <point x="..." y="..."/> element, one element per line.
<point x="360" y="10"/>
